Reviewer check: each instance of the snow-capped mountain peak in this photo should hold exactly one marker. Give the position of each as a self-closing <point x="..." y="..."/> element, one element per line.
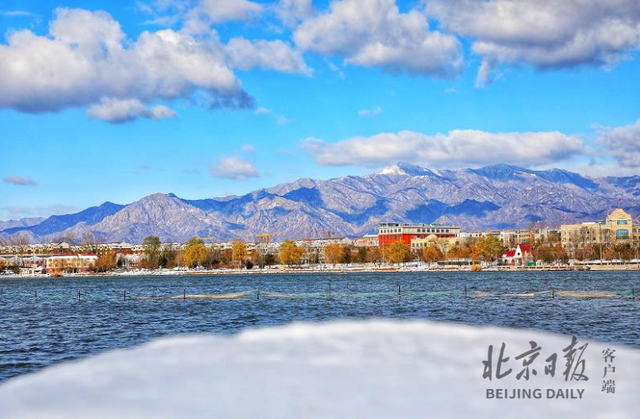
<point x="405" y="169"/>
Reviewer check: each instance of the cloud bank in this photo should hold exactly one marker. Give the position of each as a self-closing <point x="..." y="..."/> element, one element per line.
<point x="456" y="148"/>
<point x="86" y="58"/>
<point x="374" y="33"/>
<point x="546" y="34"/>
<point x="623" y="143"/>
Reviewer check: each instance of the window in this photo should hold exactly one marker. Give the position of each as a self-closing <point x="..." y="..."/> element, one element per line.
<point x="622" y="222"/>
<point x="622" y="234"/>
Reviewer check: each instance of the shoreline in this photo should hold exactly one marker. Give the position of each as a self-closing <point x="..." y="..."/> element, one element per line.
<point x="342" y="270"/>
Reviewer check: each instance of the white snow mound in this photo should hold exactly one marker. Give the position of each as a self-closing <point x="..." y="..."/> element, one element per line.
<point x="354" y="369"/>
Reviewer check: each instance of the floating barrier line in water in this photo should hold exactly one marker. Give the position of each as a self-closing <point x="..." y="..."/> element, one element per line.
<point x="227" y="296"/>
<point x="37" y="296"/>
<point x="563" y="294"/>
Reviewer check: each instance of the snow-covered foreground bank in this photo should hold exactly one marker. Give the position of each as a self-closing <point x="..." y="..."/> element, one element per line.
<point x="366" y="369"/>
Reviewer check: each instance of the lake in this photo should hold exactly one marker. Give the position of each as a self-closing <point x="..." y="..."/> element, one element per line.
<point x="61" y="326"/>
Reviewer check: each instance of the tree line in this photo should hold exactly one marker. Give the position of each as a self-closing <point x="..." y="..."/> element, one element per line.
<point x="195" y="253"/>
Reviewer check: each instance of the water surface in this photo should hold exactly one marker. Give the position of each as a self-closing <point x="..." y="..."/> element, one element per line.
<point x="60" y="326"/>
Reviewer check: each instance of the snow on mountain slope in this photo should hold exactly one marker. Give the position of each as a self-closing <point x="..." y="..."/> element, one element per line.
<point x="499" y="196"/>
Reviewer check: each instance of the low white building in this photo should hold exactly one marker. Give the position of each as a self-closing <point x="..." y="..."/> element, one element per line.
<point x="70" y="263"/>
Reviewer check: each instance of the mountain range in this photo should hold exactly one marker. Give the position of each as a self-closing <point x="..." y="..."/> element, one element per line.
<point x="492" y="197"/>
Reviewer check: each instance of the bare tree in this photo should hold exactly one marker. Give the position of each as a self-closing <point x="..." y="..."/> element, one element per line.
<point x="21" y="243"/>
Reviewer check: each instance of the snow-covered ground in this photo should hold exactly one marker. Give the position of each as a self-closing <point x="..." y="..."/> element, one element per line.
<point x="356" y="369"/>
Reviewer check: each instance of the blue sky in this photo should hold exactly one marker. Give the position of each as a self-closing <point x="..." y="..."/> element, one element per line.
<point x="331" y="100"/>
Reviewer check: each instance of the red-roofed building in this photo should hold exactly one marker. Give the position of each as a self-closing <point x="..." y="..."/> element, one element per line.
<point x="521" y="255"/>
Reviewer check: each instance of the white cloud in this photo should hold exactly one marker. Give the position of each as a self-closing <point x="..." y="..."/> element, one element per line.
<point x="19" y="180"/>
<point x="291" y="12"/>
<point x="336" y="69"/>
<point x="234" y="168"/>
<point x="248" y="148"/>
<point x="207" y="12"/>
<point x="164" y="12"/>
<point x="622" y="143"/>
<point x="373" y="33"/>
<point x="543" y="33"/>
<point x="164" y="5"/>
<point x="600" y="168"/>
<point x="266" y="55"/>
<point x="263" y="111"/>
<point x="200" y="15"/>
<point x="280" y="119"/>
<point x="87" y="57"/>
<point x="17" y="13"/>
<point x="126" y="110"/>
<point x="225" y="10"/>
<point x="370" y="113"/>
<point x="457" y="148"/>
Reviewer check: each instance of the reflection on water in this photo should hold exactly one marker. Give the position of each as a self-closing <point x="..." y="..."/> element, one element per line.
<point x="76" y="317"/>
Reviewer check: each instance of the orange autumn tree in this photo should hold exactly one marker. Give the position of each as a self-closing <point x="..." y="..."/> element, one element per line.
<point x="333" y="253"/>
<point x="239" y="252"/>
<point x="431" y="254"/>
<point x="397" y="252"/>
<point x="194" y="253"/>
